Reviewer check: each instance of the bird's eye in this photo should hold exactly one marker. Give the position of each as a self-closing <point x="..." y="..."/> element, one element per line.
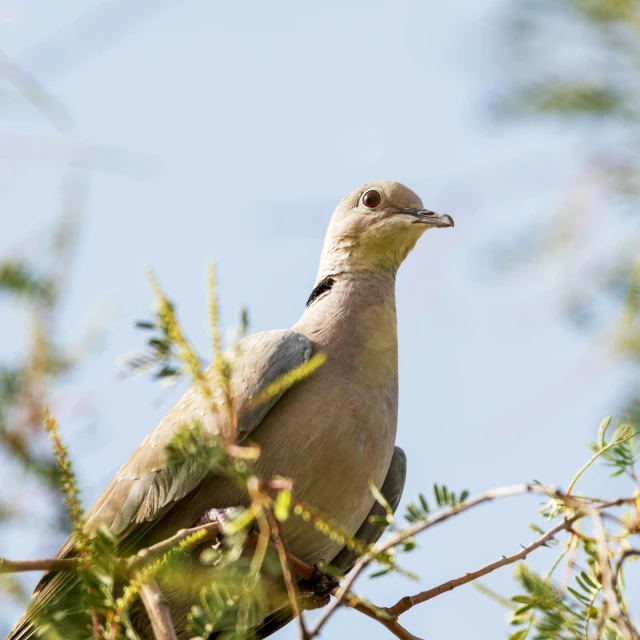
<point x="371" y="198"/>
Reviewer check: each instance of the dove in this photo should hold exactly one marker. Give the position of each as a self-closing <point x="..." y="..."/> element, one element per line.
<point x="332" y="434"/>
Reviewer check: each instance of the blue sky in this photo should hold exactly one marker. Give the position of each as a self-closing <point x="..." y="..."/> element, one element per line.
<point x="229" y="132"/>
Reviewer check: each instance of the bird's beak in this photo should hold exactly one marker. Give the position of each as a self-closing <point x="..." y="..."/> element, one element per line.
<point x="433" y="219"/>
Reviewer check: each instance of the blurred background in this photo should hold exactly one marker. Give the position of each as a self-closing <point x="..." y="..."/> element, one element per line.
<point x="151" y="133"/>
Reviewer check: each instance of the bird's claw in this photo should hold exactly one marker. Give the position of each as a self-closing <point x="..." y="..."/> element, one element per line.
<point x="222" y="516"/>
<point x="320" y="585"/>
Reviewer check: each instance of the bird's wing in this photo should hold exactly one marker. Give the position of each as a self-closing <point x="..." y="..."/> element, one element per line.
<point x="368" y="532"/>
<point x="146" y="487"/>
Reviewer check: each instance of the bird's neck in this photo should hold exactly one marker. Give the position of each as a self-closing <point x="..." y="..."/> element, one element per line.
<point x="353" y="256"/>
<point x="352" y="318"/>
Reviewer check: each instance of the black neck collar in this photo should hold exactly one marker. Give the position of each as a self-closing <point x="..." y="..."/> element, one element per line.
<point x="322" y="287"/>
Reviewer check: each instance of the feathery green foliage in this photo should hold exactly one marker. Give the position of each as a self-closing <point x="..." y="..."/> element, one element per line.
<point x="575" y="63"/>
<point x="443" y="497"/>
<point x="69" y="485"/>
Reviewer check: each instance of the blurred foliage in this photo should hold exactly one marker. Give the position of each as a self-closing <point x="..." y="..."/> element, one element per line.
<point x="575" y="63"/>
<point x="575" y="59"/>
<point x="26" y="383"/>
<point x="34" y="290"/>
<point x="33" y="283"/>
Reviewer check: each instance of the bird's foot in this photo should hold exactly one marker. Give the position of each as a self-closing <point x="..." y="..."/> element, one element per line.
<point x="310" y="601"/>
<point x="221" y="516"/>
<point x="320" y="585"/>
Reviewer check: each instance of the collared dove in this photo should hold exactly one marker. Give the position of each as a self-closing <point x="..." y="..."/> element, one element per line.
<point x="333" y="433"/>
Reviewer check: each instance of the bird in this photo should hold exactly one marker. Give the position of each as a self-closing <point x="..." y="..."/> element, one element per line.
<point x="332" y="434"/>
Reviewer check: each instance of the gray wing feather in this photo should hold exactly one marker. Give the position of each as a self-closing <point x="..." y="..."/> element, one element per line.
<point x="280" y="353"/>
<point x="368" y="532"/>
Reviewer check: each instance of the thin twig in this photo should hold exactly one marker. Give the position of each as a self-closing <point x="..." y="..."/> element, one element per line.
<point x="380" y="615"/>
<point x="416" y="528"/>
<point x="607" y="578"/>
<point x="627" y="553"/>
<point x="212" y="530"/>
<point x="44" y="564"/>
<point x="300" y="567"/>
<point x="35" y="93"/>
<point x="292" y="587"/>
<point x="595" y="456"/>
<point x="344" y="591"/>
<point x="158" y="611"/>
<point x="408" y="602"/>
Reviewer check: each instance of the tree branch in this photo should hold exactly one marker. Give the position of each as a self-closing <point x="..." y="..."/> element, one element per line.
<point x="608" y="579"/>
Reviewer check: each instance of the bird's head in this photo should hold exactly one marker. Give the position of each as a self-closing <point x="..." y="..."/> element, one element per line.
<point x="375" y="227"/>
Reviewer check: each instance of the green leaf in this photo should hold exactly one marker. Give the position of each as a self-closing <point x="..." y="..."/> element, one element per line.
<point x="523" y="609"/>
<point x="166" y="372"/>
<point x="589" y="581"/>
<point x="580" y="596"/>
<point x="622" y="431"/>
<point x="382" y="572"/>
<point x="519" y="635"/>
<point x="604" y="425"/>
<point x="18" y="279"/>
<point x="409" y="545"/>
<point x="144" y="324"/>
<point x="414" y="511"/>
<point x="380" y="521"/>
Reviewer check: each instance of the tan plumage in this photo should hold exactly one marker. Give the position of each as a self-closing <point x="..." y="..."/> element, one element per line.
<point x="333" y="433"/>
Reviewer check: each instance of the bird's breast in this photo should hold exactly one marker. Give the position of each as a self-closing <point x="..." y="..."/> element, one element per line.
<point x="332" y="434"/>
